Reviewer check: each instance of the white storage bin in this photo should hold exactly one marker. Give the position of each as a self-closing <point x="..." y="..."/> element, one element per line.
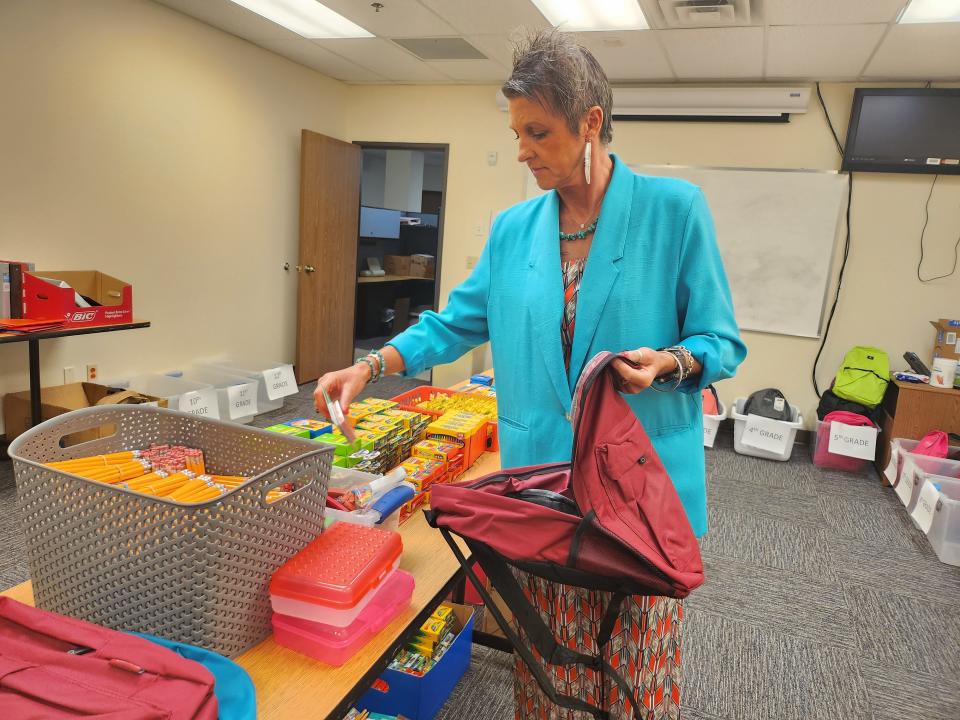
<point x="917" y="468"/>
<point x="257" y="371"/>
<point x="899" y="449"/>
<point x="711" y="424"/>
<point x="789" y="429"/>
<point x="236" y="394"/>
<point x="944" y="533"/>
<point x="166" y="387"/>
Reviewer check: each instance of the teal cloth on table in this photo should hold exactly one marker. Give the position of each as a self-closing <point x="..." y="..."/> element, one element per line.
<point x="654" y="278"/>
<point x="236" y="696"/>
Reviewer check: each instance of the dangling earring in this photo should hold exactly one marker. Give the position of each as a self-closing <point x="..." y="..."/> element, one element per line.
<point x="588" y="151"/>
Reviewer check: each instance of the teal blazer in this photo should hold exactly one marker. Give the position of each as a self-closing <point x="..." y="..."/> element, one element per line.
<point x="654" y="278"/>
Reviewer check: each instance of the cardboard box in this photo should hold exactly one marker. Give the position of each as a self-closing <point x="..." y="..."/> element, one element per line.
<point x="44" y="300"/>
<point x="420" y="698"/>
<point x="396" y="264"/>
<point x="946" y="343"/>
<point x="422" y="266"/>
<point x="61" y="399"/>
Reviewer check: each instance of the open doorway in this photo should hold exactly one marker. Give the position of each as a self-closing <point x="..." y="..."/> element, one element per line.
<point x="400" y="243"/>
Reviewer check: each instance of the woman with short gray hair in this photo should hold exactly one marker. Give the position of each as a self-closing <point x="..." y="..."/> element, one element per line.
<point x="605" y="260"/>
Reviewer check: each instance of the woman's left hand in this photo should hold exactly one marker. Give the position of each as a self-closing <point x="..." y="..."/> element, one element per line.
<point x="648" y="365"/>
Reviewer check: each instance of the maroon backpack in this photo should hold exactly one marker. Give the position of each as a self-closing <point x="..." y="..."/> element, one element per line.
<point x="52" y="666"/>
<point x="609" y="520"/>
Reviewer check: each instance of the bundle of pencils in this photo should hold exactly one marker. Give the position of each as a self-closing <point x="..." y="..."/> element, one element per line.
<point x="159" y="471"/>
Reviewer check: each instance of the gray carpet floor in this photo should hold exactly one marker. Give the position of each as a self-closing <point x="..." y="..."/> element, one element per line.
<point x="822" y="600"/>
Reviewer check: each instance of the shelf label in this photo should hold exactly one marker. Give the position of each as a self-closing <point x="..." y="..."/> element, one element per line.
<point x="765" y="434"/>
<point x="926" y="506"/>
<point x="200" y="402"/>
<point x="280" y="382"/>
<point x="242" y="400"/>
<point x="890" y="472"/>
<point x="853" y="441"/>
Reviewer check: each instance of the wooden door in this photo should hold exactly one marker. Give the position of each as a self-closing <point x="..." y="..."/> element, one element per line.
<point x="329" y="214"/>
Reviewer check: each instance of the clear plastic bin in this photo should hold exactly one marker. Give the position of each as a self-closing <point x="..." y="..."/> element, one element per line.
<point x="164" y="386"/>
<point x="255" y="371"/>
<point x="917" y="468"/>
<point x="236" y="394"/>
<point x="711" y="424"/>
<point x="900" y="448"/>
<point x="740" y="424"/>
<point x="944" y="533"/>
<point x="823" y="458"/>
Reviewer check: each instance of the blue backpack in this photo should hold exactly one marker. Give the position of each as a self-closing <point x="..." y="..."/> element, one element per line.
<point x="236" y="696"/>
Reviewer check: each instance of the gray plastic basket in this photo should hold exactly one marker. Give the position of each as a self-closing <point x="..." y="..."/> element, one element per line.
<point x="196" y="573"/>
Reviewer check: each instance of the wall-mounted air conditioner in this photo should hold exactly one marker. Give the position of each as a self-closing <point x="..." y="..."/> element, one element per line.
<point x="705" y="103"/>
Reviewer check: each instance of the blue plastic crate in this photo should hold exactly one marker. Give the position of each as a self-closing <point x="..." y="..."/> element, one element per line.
<point x="420" y="698"/>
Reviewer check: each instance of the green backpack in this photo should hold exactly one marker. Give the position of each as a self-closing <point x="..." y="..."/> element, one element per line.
<point x="863" y="376"/>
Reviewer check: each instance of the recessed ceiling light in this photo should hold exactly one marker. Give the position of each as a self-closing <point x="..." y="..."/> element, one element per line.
<point x="588" y="15"/>
<point x="931" y="11"/>
<point x="305" y="17"/>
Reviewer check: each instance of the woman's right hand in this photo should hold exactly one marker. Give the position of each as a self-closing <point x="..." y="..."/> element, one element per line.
<point x="343" y="385"/>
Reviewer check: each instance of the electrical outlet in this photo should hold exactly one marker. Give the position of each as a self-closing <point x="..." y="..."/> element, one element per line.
<point x="472" y="261"/>
<point x="69" y="375"/>
<point x="92" y="373"/>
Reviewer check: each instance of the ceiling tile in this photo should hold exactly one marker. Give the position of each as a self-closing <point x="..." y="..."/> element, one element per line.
<point x="820" y="52"/>
<point x="313" y="56"/>
<point x="487" y="17"/>
<point x="715" y="53"/>
<point x="397" y="18"/>
<point x="918" y="52"/>
<point x="628" y="56"/>
<point x="384" y="58"/>
<point x="232" y="18"/>
<point x="472" y="70"/>
<point x="830" y="12"/>
<point x="498" y="48"/>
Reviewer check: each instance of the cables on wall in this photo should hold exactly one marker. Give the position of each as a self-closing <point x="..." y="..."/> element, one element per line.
<point x="846" y="247"/>
<point x="923" y="231"/>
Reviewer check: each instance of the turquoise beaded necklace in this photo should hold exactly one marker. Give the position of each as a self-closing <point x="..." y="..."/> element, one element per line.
<point x="580" y="234"/>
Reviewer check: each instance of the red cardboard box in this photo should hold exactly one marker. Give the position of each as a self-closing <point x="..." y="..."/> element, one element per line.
<point x="44" y="300"/>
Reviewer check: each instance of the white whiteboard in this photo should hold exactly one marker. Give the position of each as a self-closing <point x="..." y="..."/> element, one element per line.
<point x="777" y="230"/>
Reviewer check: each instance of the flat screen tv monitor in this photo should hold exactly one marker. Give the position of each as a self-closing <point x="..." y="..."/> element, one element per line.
<point x="911" y="130"/>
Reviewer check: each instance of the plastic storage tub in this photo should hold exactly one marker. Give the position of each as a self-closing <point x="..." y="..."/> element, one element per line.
<point x="823" y="458"/>
<point x="899" y="449"/>
<point x="236" y="394"/>
<point x="944" y="533"/>
<point x="711" y="424"/>
<point x="198" y="573"/>
<point x="789" y="428"/>
<point x="917" y="468"/>
<point x="335" y="645"/>
<point x="257" y="371"/>
<point x="332" y="579"/>
<point x="165" y="387"/>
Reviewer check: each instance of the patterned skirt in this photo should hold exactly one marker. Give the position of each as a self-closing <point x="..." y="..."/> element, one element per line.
<point x="644" y="648"/>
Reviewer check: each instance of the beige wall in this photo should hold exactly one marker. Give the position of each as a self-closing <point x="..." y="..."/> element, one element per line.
<point x="141" y="142"/>
<point x="882" y="302"/>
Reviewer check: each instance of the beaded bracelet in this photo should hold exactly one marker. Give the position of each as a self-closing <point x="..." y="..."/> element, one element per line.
<point x="373" y="372"/>
<point x="382" y="363"/>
